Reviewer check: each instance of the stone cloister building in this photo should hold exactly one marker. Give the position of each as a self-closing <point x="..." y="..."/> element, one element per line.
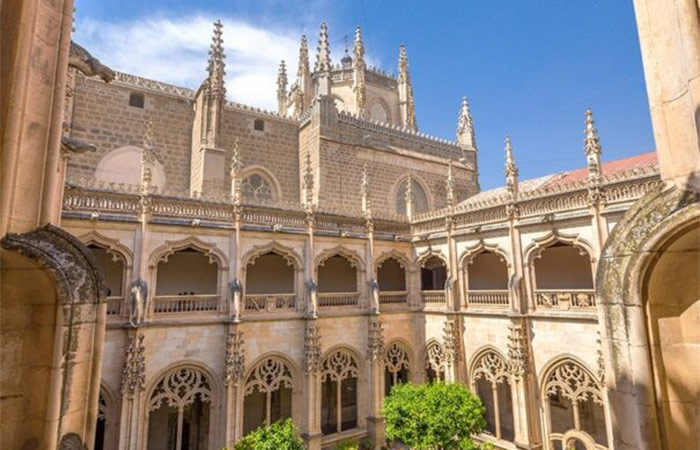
<point x="218" y="266"/>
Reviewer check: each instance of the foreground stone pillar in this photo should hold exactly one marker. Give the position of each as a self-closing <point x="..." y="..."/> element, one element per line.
<point x="133" y="383"/>
<point x="234" y="363"/>
<point x="311" y="423"/>
<point x="523" y="388"/>
<point x="375" y="359"/>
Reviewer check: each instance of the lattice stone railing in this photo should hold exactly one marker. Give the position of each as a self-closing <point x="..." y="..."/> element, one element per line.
<point x="337" y="299"/>
<point x="270" y="303"/>
<point x="488" y="298"/>
<point x="393" y="297"/>
<point x="170" y="304"/>
<point x="565" y="299"/>
<point x="433" y="297"/>
<point x="115" y="306"/>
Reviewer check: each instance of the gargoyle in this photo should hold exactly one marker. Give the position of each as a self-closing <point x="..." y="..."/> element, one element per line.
<point x="82" y="60"/>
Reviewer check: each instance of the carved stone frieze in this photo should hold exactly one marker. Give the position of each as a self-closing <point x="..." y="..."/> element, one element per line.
<point x="234" y="362"/>
<point x="312" y="348"/>
<point x="134" y="373"/>
<point x="452" y="347"/>
<point x="375" y="340"/>
<point x="518" y="353"/>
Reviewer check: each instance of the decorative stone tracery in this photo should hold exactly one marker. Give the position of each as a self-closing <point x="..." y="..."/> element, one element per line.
<point x="435" y="359"/>
<point x="396" y="359"/>
<point x="179" y="388"/>
<point x="491" y="367"/>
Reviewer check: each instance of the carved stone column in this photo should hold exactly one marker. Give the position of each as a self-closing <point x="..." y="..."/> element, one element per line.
<point x="375" y="359"/>
<point x="453" y="349"/>
<point x="523" y="387"/>
<point x="311" y="424"/>
<point x="133" y="385"/>
<point x="234" y="364"/>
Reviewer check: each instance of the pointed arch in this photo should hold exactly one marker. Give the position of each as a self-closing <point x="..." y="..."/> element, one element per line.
<point x="398" y="191"/>
<point x="500" y="369"/>
<point x="162" y="253"/>
<point x="538" y="245"/>
<point x="111" y="245"/>
<point x="352" y="256"/>
<point x="288" y="253"/>
<point x="434" y="358"/>
<point x="405" y="346"/>
<point x="341" y="369"/>
<point x="428" y="253"/>
<point x="270" y="386"/>
<point x="469" y="253"/>
<point x="576" y="371"/>
<point x="403" y="259"/>
<point x="267" y="177"/>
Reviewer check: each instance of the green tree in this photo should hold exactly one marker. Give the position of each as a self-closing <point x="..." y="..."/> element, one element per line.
<point x="436" y="416"/>
<point x="281" y="435"/>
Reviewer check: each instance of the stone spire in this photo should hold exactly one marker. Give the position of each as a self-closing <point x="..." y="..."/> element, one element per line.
<point x="366" y="201"/>
<point x="407" y="107"/>
<point x="511" y="171"/>
<point x="303" y="91"/>
<point x="308" y="184"/>
<point x="465" y="127"/>
<point x="450" y="187"/>
<point x="358" y="51"/>
<point x="147" y="159"/>
<point x="409" y="197"/>
<point x="282" y="89"/>
<point x="216" y="65"/>
<point x="235" y="171"/>
<point x="592" y="148"/>
<point x="323" y="57"/>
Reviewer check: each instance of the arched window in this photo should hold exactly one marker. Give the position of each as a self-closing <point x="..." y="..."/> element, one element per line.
<point x="256" y="188"/>
<point x="433" y="274"/>
<point x="187" y="272"/>
<point x="269" y="283"/>
<point x="574" y="412"/>
<point x="377" y="112"/>
<point x="339" y="392"/>
<point x="179" y="411"/>
<point x="391" y="276"/>
<point x="487" y="280"/>
<point x="420" y="198"/>
<point x="123" y="166"/>
<point x="337" y="274"/>
<point x="564" y="277"/>
<point x="435" y="362"/>
<point x="113" y="266"/>
<point x="268" y="394"/>
<point x="396" y="366"/>
<point x="101" y="428"/>
<point x="490" y="381"/>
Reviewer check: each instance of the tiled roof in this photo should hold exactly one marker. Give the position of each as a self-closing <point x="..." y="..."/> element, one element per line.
<point x="560" y="179"/>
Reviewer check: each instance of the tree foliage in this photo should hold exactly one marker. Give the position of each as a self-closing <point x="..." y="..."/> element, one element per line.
<point x="436" y="416"/>
<point x="281" y="435"/>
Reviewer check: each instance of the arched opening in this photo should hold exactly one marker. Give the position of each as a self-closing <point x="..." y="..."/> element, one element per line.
<point x="491" y="382"/>
<point x="564" y="278"/>
<point x="377" y="112"/>
<point x="268" y="394"/>
<point x="433" y="275"/>
<point x="179" y="411"/>
<point x="339" y="402"/>
<point x="435" y="362"/>
<point x="123" y="166"/>
<point x="671" y="292"/>
<point x="101" y="427"/>
<point x="113" y="268"/>
<point x="573" y="404"/>
<point x="269" y="283"/>
<point x="187" y="281"/>
<point x="337" y="282"/>
<point x="419" y="198"/>
<point x="397" y="366"/>
<point x="391" y="278"/>
<point x="487" y="280"/>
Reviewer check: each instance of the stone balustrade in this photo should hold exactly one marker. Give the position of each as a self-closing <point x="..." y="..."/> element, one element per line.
<point x="270" y="303"/>
<point x="488" y="298"/>
<point x="171" y="304"/>
<point x="565" y="299"/>
<point x="337" y="299"/>
<point x="433" y="297"/>
<point x="393" y="297"/>
<point x="115" y="306"/>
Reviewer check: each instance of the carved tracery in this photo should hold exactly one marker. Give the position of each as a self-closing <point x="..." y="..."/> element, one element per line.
<point x="179" y="388"/>
<point x="491" y="367"/>
<point x="435" y="359"/>
<point x="573" y="382"/>
<point x="338" y="366"/>
<point x="396" y="360"/>
<point x="268" y="376"/>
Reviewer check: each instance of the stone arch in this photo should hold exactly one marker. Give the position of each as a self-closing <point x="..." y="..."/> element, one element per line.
<point x="396" y="190"/>
<point x="632" y="360"/>
<point x="107" y="432"/>
<point x="123" y="165"/>
<point x="477" y="358"/>
<point x="434" y="358"/>
<point x="339" y="250"/>
<point x="568" y="380"/>
<point x="428" y="253"/>
<point x="538" y="245"/>
<point x="402" y="259"/>
<point x="469" y="253"/>
<point x="112" y="245"/>
<point x="384" y="105"/>
<point x="398" y="363"/>
<point x="490" y="379"/>
<point x="288" y="253"/>
<point x="180" y="386"/>
<point x="266" y="175"/>
<point x="341" y="377"/>
<point x="162" y="253"/>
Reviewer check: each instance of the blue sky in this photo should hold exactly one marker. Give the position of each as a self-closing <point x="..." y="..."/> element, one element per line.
<point x="529" y="67"/>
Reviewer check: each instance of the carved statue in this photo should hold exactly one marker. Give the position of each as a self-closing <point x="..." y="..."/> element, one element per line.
<point x="514" y="285"/>
<point x="139" y="294"/>
<point x="235" y="288"/>
<point x="82" y="60"/>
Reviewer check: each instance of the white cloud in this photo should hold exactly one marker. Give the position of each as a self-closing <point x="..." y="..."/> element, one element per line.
<point x="174" y="50"/>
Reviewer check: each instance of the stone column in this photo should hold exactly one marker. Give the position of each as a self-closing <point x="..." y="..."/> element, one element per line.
<point x="234" y="364"/>
<point x="523" y="387"/>
<point x="375" y="359"/>
<point x="311" y="423"/>
<point x="133" y="384"/>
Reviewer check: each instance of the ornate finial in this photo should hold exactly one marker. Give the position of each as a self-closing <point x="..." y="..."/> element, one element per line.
<point x="323" y="57"/>
<point x="308" y="183"/>
<point x="359" y="74"/>
<point x="303" y="56"/>
<point x="511" y="170"/>
<point x="409" y="197"/>
<point x="592" y="147"/>
<point x="366" y="202"/>
<point x="216" y="65"/>
<point x="147" y="158"/>
<point x="450" y="187"/>
<point x="282" y="89"/>
<point x="408" y="111"/>
<point x="358" y="48"/>
<point x="236" y="166"/>
<point x="465" y="127"/>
